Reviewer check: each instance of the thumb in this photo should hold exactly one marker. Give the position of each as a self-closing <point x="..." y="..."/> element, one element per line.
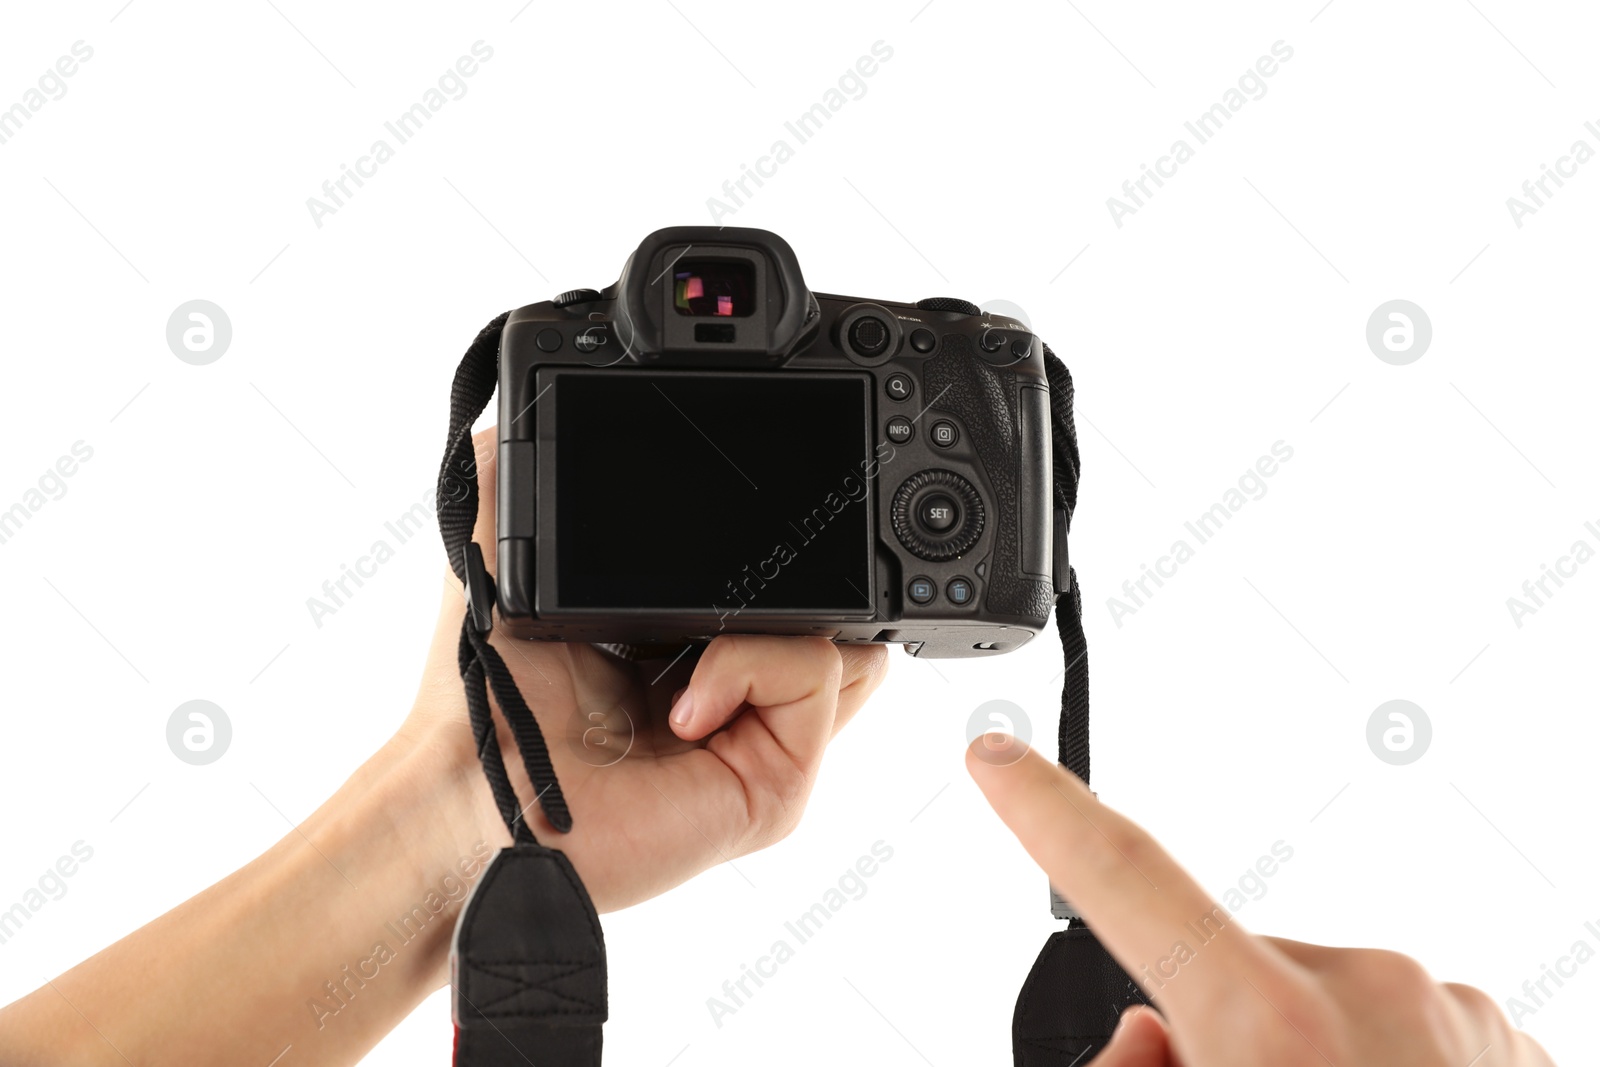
<point x="1140" y="1040"/>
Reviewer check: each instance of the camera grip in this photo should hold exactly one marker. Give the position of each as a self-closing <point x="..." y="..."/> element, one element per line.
<point x="1007" y="415"/>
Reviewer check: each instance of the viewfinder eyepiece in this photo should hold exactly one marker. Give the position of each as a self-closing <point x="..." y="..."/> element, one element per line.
<point x="723" y="288"/>
<point x="719" y="296"/>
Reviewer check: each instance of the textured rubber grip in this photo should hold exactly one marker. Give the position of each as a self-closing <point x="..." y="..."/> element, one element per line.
<point x="988" y="400"/>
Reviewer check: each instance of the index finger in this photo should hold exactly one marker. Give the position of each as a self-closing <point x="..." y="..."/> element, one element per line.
<point x="1164" y="929"/>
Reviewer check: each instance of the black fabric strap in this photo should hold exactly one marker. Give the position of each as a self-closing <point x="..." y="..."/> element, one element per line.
<point x="1073" y="733"/>
<point x="528" y="964"/>
<point x="1075" y="992"/>
<point x="474" y="384"/>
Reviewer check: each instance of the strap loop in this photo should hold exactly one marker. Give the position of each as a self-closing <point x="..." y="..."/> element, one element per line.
<point x="479" y="663"/>
<point x="528" y="962"/>
<point x="480" y="590"/>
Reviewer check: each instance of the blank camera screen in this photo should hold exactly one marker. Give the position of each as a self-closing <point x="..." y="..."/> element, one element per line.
<point x="712" y="493"/>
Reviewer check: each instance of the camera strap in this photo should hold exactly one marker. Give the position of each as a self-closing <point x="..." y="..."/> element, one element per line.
<point x="528" y="961"/>
<point x="1075" y="994"/>
<point x="528" y="966"/>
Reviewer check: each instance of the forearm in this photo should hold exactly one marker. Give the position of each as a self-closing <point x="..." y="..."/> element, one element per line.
<point x="325" y="942"/>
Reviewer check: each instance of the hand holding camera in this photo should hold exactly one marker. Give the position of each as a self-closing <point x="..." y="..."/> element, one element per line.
<point x="656" y="800"/>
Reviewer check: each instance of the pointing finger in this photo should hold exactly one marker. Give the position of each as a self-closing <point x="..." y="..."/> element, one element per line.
<point x="1145" y="908"/>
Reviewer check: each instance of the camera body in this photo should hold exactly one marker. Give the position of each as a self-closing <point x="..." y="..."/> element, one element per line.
<point x="708" y="447"/>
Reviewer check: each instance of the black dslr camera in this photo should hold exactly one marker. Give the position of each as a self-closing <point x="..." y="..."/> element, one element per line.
<point x="708" y="447"/>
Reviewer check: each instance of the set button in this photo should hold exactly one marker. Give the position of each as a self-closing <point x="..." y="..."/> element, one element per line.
<point x="937" y="513"/>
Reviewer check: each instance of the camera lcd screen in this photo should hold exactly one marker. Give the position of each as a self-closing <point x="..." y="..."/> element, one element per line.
<point x="714" y="287"/>
<point x="713" y="493"/>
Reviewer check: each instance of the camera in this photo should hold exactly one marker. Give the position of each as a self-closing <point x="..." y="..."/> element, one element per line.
<point x="707" y="447"/>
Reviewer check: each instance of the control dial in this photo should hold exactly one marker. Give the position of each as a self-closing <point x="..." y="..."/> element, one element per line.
<point x="937" y="515"/>
<point x="575" y="296"/>
<point x="948" y="303"/>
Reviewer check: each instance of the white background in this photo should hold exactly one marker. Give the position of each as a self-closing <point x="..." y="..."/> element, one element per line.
<point x="1227" y="314"/>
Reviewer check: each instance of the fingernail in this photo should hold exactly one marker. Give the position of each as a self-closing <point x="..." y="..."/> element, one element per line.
<point x="683" y="710"/>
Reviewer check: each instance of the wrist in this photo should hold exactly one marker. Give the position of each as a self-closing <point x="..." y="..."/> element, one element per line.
<point x="348" y="920"/>
<point x="408" y="830"/>
<point x="437" y="757"/>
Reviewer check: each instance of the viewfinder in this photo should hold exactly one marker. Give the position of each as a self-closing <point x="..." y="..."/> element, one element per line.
<point x="714" y="288"/>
